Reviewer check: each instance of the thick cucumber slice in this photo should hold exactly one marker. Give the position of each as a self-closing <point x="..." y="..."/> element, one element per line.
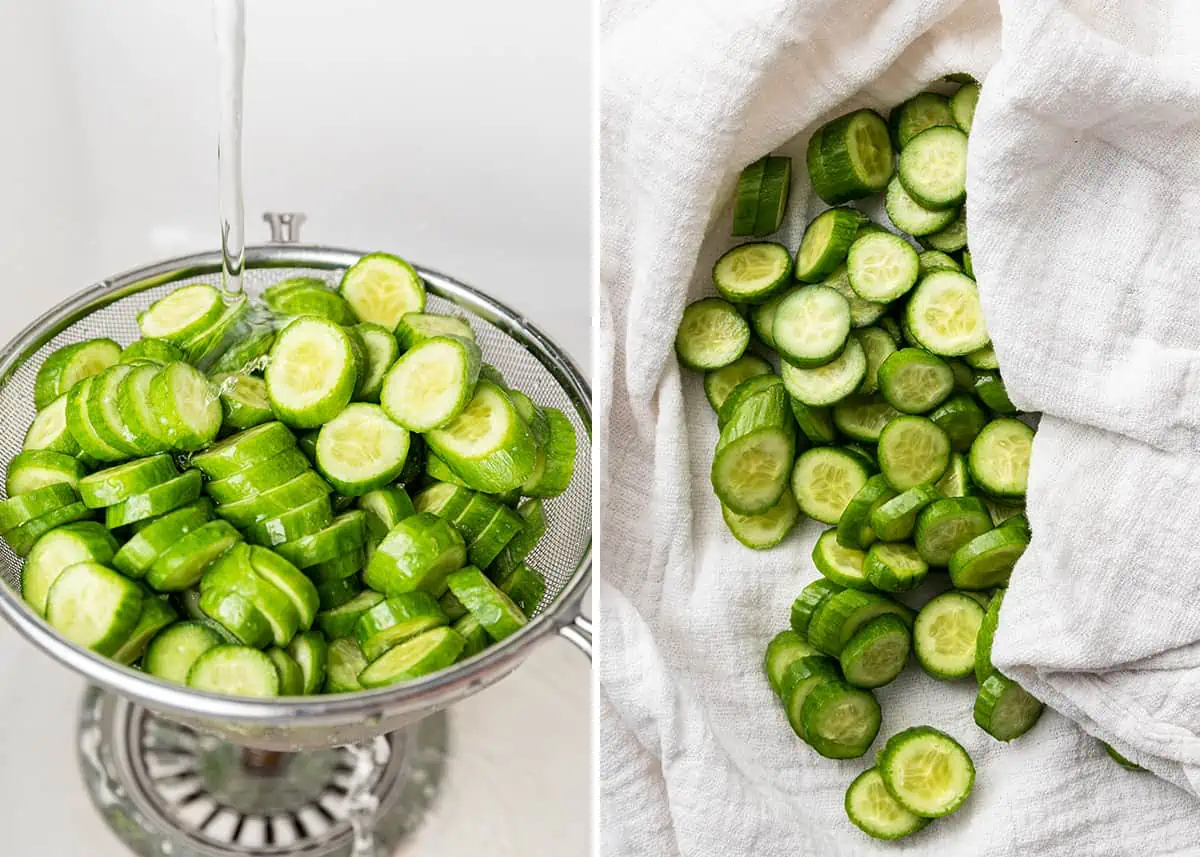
<point x="496" y="612"/>
<point x="944" y="635"/>
<point x="912" y="451"/>
<point x="235" y="573"/>
<point x="384" y="508"/>
<point x="288" y="579"/>
<point x="936" y="260"/>
<point x="933" y="168"/>
<point x="850" y="157"/>
<point x="766" y="529"/>
<point x="24" y="507"/>
<point x="533" y="527"/>
<point x="22" y="539"/>
<point x="104" y="414"/>
<point x="157" y="613"/>
<point x="838" y="563"/>
<point x="138" y="554"/>
<point x="828" y="384"/>
<point x="340" y="621"/>
<point x="235" y="671"/>
<point x="136" y="410"/>
<point x="810" y="598"/>
<point x="36" y="468"/>
<point x="773" y="195"/>
<point x="840" y="720"/>
<point x="57" y="550"/>
<point x="525" y="586"/>
<point x="344" y="662"/>
<point x="183" y="564"/>
<point x="259" y="478"/>
<point x="291" y="679"/>
<point x="923" y="111"/>
<point x="308" y="296"/>
<point x="339" y="568"/>
<point x="247" y="354"/>
<point x="877" y="653"/>
<point x="745" y="200"/>
<point x="944" y="314"/>
<point x="243" y="450"/>
<point x="816" y="423"/>
<point x="862" y="313"/>
<point x="347" y="533"/>
<point x="914" y="381"/>
<point x="501" y="528"/>
<point x="416" y="327"/>
<point x="955" y="482"/>
<point x="863" y="418"/>
<point x="426" y="653"/>
<point x="452" y="607"/>
<point x="825" y="243"/>
<point x="711" y="334"/>
<point x="811" y="326"/>
<point x="382" y="288"/>
<point x="69" y="365"/>
<point x="234" y="323"/>
<point x="878" y="345"/>
<point x="753" y="273"/>
<point x="432" y="383"/>
<point x="237" y="616"/>
<point x="984" y="358"/>
<point x="895" y="519"/>
<point x="961" y="418"/>
<point x="182" y="314"/>
<point x="115" y="484"/>
<point x="488" y="445"/>
<point x="911" y="217"/>
<point x="312" y="374"/>
<point x="962" y="106"/>
<point x="310" y="651"/>
<point x="187" y="406"/>
<point x="946" y="525"/>
<point x="173" y="652"/>
<point x="395" y="620"/>
<point x="1004" y="709"/>
<point x="159" y="500"/>
<point x="719" y="383"/>
<point x="854" y="527"/>
<point x="825" y="480"/>
<point x="49" y="430"/>
<point x="742" y="391"/>
<point x="926" y="771"/>
<point x="94" y="607"/>
<point x="417" y="554"/>
<point x="894" y="567"/>
<point x="360" y="449"/>
<point x="882" y="267"/>
<point x="382" y="350"/>
<point x="999" y="458"/>
<point x="988" y="559"/>
<point x="875" y="812"/>
<point x="799" y="680"/>
<point x="951" y="239"/>
<point x="244" y="401"/>
<point x="444" y="499"/>
<point x="305" y="488"/>
<point x="842" y="614"/>
<point x="968" y="268"/>
<point x="762" y="318"/>
<point x="785" y="648"/>
<point x="79" y="423"/>
<point x="472" y="632"/>
<point x="755" y="453"/>
<point x="555" y="464"/>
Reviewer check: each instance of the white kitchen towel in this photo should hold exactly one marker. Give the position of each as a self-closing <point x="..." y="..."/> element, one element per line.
<point x="1081" y="166"/>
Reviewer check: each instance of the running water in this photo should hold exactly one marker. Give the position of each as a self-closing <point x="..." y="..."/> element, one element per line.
<point x="230" y="20"/>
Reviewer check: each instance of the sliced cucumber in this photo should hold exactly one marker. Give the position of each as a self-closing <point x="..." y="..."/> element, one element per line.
<point x="955" y="482"/>
<point x="745" y="200"/>
<point x="755" y="453"/>
<point x="828" y="384"/>
<point x="944" y="314"/>
<point x="237" y="616"/>
<point x="488" y="445"/>
<point x="417" y="554"/>
<point x="233" y="573"/>
<point x="346" y="533"/>
<point x="805" y="606"/>
<point x="773" y="195"/>
<point x="312" y="374"/>
<point x="66" y="367"/>
<point x="59" y="549"/>
<point x="753" y="273"/>
<point x="291" y="679"/>
<point x="111" y="486"/>
<point x="894" y="567"/>
<point x="360" y="449"/>
<point x="384" y="508"/>
<point x="472" y="632"/>
<point x="842" y="614"/>
<point x="340" y="621"/>
<point x="94" y="607"/>
<point x="895" y="519"/>
<point x="862" y="313"/>
<point x="24" y="507"/>
<point x="1004" y="709"/>
<point x="426" y="653"/>
<point x="711" y="334"/>
<point x="247" y="354"/>
<point x="811" y="326"/>
<point x="944" y="635"/>
<point x="183" y="564"/>
<point x="875" y="812"/>
<point x="382" y="350"/>
<point x="339" y="568"/>
<point x="863" y="418"/>
<point x="244" y="400"/>
<point x="854" y="527"/>
<point x="877" y="653"/>
<point x="987" y="560"/>
<point x="926" y="771"/>
<point x="923" y="111"/>
<point x="23" y="538"/>
<point x="104" y="414"/>
<point x="80" y="425"/>
<point x="235" y="671"/>
<point x="555" y="463"/>
<point x="825" y="479"/>
<point x="310" y="651"/>
<point x="173" y="652"/>
<point x="912" y="451"/>
<point x="915" y="381"/>
<point x="933" y="168"/>
<point x="36" y="468"/>
<point x="946" y="525"/>
<point x="999" y="458"/>
<point x="181" y="314"/>
<point x="968" y="268"/>
<point x="816" y="423"/>
<point x="882" y="267"/>
<point x="987" y="632"/>
<point x="233" y="324"/>
<point x="840" y="720"/>
<point x="287" y="579"/>
<point x="839" y="564"/>
<point x="432" y="383"/>
<point x="766" y="529"/>
<point x="382" y="288"/>
<point x="785" y="648"/>
<point x="187" y="406"/>
<point x="951" y="239"/>
<point x="984" y="358"/>
<point x="801" y="678"/>
<point x="415" y="327"/>
<point x="936" y="260"/>
<point x="399" y="618"/>
<point x="49" y="430"/>
<point x="138" y="554"/>
<point x="825" y="243"/>
<point x="259" y="478"/>
<point x="496" y="612"/>
<point x="911" y="217"/>
<point x="159" y="500"/>
<point x="525" y="586"/>
<point x="878" y="346"/>
<point x="136" y="408"/>
<point x="157" y="613"/>
<point x="961" y="418"/>
<point x="243" y="450"/>
<point x="307" y="296"/>
<point x="850" y="157"/>
<point x="719" y="383"/>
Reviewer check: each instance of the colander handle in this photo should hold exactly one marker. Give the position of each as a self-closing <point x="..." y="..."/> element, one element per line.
<point x="579" y="632"/>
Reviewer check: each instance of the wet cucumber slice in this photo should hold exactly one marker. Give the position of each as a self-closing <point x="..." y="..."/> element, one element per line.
<point x="432" y="383"/>
<point x="926" y="771"/>
<point x="104" y="413"/>
<point x="182" y="314"/>
<point x="289" y="580"/>
<point x="22" y="539"/>
<point x="136" y="407"/>
<point x="444" y="499"/>
<point x="172" y="654"/>
<point x="313" y="372"/>
<point x="291" y="678"/>
<point x="59" y="549"/>
<point x="555" y="463"/>
<point x="243" y="450"/>
<point x="415" y="327"/>
<point x="235" y="671"/>
<point x="22" y="508"/>
<point x="495" y="611"/>
<point x="234" y="573"/>
<point x="157" y="614"/>
<point x="259" y="478"/>
<point x="384" y="508"/>
<point x="399" y="618"/>
<point x="184" y="563"/>
<point x="488" y="445"/>
<point x="382" y="289"/>
<point x="244" y="401"/>
<point x="525" y="586"/>
<point x="49" y="430"/>
<point x="307" y="296"/>
<point x="116" y="484"/>
<point x="162" y="498"/>
<point x="69" y="365"/>
<point x="875" y="812"/>
<point x="381" y="351"/>
<point x="274" y="502"/>
<point x="246" y="355"/>
<point x="472" y="632"/>
<point x="340" y="621"/>
<point x="347" y="533"/>
<point x="344" y="662"/>
<point x="36" y="468"/>
<point x="237" y="616"/>
<point x="310" y="651"/>
<point x="79" y="424"/>
<point x="94" y="607"/>
<point x="138" y="554"/>
<point x="187" y="405"/>
<point x="339" y="568"/>
<point x="425" y="653"/>
<point x="361" y="449"/>
<point x="304" y="520"/>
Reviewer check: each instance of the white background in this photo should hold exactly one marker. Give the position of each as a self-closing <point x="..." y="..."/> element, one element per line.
<point x="453" y="133"/>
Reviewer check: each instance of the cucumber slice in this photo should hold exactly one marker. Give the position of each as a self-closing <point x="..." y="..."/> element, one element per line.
<point x="288" y="579"/>
<point x="854" y="527"/>
<point x="826" y="242"/>
<point x="310" y="651"/>
<point x="312" y="374"/>
<point x="416" y="327"/>
<point x="104" y="413"/>
<point x="825" y="480"/>
<point x="308" y="296"/>
<point x="259" y="478"/>
<point x="384" y="508"/>
<point x="525" y="586"/>
<point x="115" y="484"/>
<point x="766" y="529"/>
<point x="951" y="239"/>
<point x="944" y="635"/>
<point x="961" y="419"/>
<point x="1004" y="709"/>
<point x="173" y="652"/>
<point x="936" y="260"/>
<point x="800" y="679"/>
<point x="894" y="567"/>
<point x="984" y="358"/>
<point x="944" y="314"/>
<point x="863" y="418"/>
<point x="805" y="606"/>
<point x="1121" y="760"/>
<point x="444" y="499"/>
<point x="187" y="406"/>
<point x="712" y="334"/>
<point x="753" y="273"/>
<point x="844" y="613"/>
<point x="811" y="326"/>
<point x="237" y="616"/>
<point x="382" y="288"/>
<point x="501" y="528"/>
<point x="913" y="451"/>
<point x="340" y="621"/>
<point x="360" y="449"/>
<point x="816" y="423"/>
<point x="291" y="679"/>
<point x="990" y="389"/>
<point x="785" y="648"/>
<point x="745" y="199"/>
<point x="878" y="346"/>
<point x="914" y="381"/>
<point x="911" y="217"/>
<point x="742" y="391"/>
<point x="183" y="564"/>
<point x="828" y="384"/>
<point x="235" y="573"/>
<point x="488" y="445"/>
<point x="382" y="351"/>
<point x="347" y="533"/>
<point x="432" y="383"/>
<point x="275" y="502"/>
<point x="344" y="662"/>
<point x="496" y="612"/>
<point x="850" y="157"/>
<point x="36" y="468"/>
<point x="426" y="653"/>
<point x="862" y="313"/>
<point x="136" y="411"/>
<point x="235" y="671"/>
<point x="755" y="453"/>
<point x="57" y="550"/>
<point x="159" y="500"/>
<point x="94" y="607"/>
<point x="967" y="267"/>
<point x="417" y="554"/>
<point x="182" y="314"/>
<point x="882" y="267"/>
<point x="933" y="168"/>
<point x="438" y="471"/>
<point x="157" y="613"/>
<point x="339" y="568"/>
<point x="242" y="450"/>
<point x="877" y="653"/>
<point x="24" y="507"/>
<point x="926" y="771"/>
<point x="999" y="458"/>
<point x="395" y="620"/>
<point x="987" y="560"/>
<point x="895" y="519"/>
<point x="244" y="401"/>
<point x="840" y="720"/>
<point x="66" y="367"/>
<point x="773" y="195"/>
<point x="138" y="554"/>
<point x="22" y="539"/>
<point x="79" y="424"/>
<point x="875" y="812"/>
<point x="452" y="607"/>
<point x="49" y="430"/>
<point x="843" y="565"/>
<point x="472" y="632"/>
<point x="533" y="527"/>
<point x="955" y="482"/>
<point x="923" y="111"/>
<point x="232" y="325"/>
<point x="946" y="525"/>
<point x="247" y="354"/>
<point x="762" y="318"/>
<point x="719" y="383"/>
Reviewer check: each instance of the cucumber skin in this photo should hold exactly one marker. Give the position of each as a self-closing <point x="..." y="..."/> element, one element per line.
<point x="809" y="601"/>
<point x="992" y="690"/>
<point x="828" y="153"/>
<point x="766" y="410"/>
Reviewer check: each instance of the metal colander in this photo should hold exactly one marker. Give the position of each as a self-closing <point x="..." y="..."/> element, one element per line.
<point x="528" y="360"/>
